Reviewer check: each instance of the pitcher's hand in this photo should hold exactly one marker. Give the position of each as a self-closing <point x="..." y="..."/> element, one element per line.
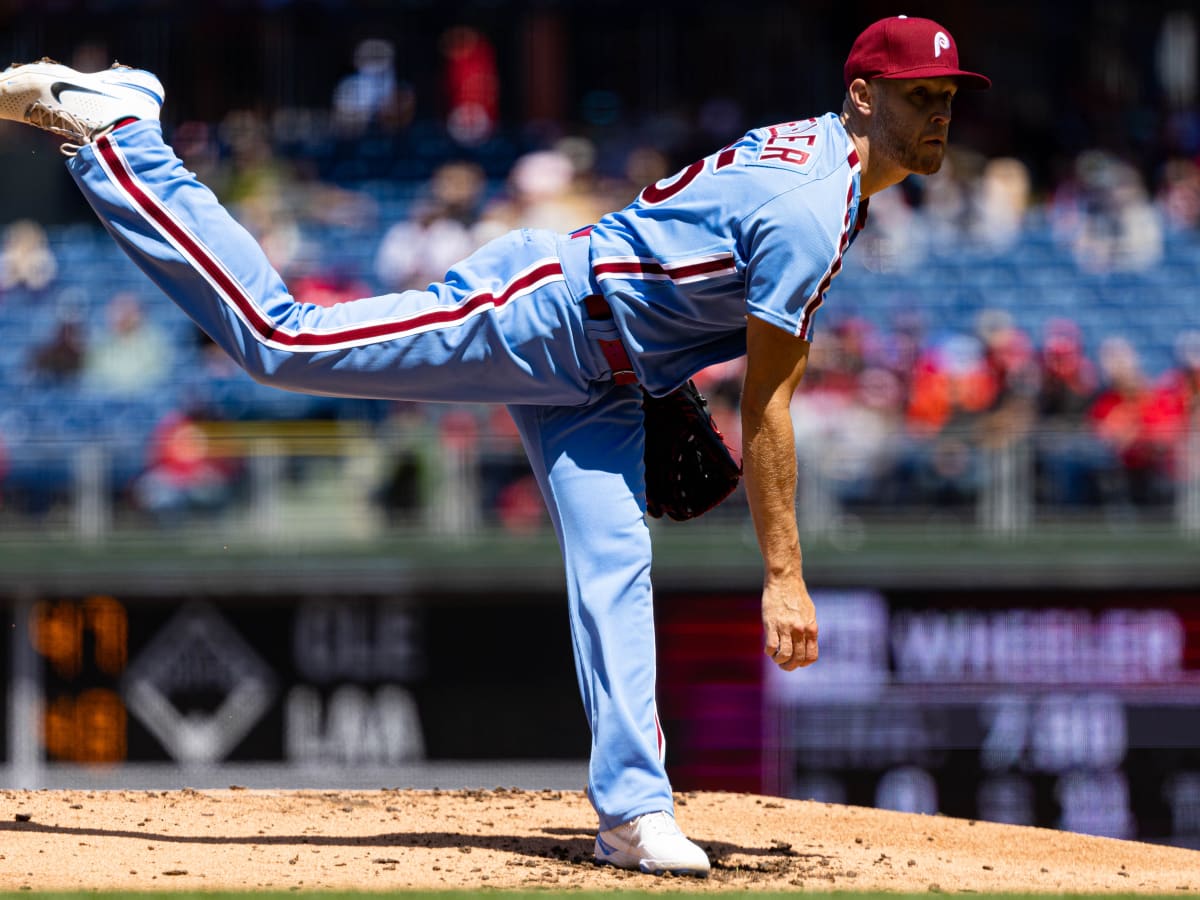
<point x="789" y="625"/>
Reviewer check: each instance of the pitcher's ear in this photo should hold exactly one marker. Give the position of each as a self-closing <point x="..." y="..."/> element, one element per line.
<point x="860" y="97"/>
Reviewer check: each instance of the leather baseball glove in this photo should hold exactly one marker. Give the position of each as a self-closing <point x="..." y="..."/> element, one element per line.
<point x="689" y="467"/>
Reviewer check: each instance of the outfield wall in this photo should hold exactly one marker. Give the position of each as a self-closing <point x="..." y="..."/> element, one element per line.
<point x="1032" y="685"/>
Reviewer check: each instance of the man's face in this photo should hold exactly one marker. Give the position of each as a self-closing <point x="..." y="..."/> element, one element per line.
<point x="912" y="121"/>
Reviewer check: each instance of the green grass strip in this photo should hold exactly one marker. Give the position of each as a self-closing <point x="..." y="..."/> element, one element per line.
<point x="548" y="894"/>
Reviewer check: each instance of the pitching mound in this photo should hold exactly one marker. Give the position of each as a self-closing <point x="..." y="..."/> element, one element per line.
<point x="387" y="840"/>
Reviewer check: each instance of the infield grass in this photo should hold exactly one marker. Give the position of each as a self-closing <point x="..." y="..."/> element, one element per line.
<point x="536" y="895"/>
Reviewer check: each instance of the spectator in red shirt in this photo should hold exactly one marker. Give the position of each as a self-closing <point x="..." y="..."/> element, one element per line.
<point x="1134" y="422"/>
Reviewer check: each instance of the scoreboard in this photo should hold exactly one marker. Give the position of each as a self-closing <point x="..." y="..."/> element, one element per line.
<point x="1058" y="709"/>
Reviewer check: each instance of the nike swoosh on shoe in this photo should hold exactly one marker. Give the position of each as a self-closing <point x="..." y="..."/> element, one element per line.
<point x="605" y="848"/>
<point x="59" y="87"/>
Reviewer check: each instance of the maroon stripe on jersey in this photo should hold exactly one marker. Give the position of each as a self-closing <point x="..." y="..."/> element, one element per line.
<point x="836" y="266"/>
<point x="236" y="294"/>
<point x="630" y="267"/>
<point x="641" y="267"/>
<point x="702" y="268"/>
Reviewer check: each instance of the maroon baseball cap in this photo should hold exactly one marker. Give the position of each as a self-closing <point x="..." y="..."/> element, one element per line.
<point x="900" y="47"/>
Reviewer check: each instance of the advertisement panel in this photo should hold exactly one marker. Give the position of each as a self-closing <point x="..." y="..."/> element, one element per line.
<point x="317" y="681"/>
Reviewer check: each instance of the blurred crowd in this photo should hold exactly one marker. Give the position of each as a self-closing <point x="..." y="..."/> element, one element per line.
<point x="896" y="411"/>
<point x="898" y="420"/>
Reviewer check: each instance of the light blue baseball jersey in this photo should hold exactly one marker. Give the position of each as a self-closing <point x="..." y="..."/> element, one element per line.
<point x="757" y="228"/>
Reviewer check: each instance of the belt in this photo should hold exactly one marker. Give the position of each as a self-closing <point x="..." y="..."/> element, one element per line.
<point x="614" y="351"/>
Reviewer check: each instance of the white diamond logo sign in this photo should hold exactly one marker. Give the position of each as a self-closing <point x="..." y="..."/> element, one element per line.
<point x="198" y="686"/>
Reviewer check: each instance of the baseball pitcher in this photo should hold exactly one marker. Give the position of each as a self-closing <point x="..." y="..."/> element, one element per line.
<point x="580" y="336"/>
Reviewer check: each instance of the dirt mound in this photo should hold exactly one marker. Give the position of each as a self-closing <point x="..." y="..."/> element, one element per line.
<point x="387" y="840"/>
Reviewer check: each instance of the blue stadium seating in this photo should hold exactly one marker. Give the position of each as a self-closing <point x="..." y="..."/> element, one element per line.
<point x="1033" y="282"/>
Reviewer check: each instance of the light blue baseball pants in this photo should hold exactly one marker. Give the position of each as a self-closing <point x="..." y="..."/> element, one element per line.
<point x="506" y="326"/>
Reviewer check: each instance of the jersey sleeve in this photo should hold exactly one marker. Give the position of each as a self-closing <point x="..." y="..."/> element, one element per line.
<point x="793" y="246"/>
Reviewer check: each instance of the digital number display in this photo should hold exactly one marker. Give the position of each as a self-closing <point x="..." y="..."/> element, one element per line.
<point x="82" y="643"/>
<point x="1062" y="710"/>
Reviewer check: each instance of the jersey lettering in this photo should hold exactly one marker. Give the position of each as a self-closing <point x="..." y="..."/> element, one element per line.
<point x="793" y="155"/>
<point x="785" y="144"/>
<point x="659" y="192"/>
<point x="781" y="144"/>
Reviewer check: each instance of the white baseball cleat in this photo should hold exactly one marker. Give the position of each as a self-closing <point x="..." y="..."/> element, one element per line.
<point x="653" y="844"/>
<point x="77" y="105"/>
